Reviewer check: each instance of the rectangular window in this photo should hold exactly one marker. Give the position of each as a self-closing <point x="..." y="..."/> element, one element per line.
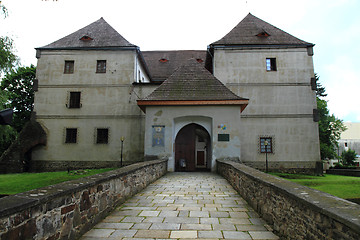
<point x="102" y="135"/>
<point x="266" y="145"/>
<point x="69" y="67"/>
<point x="74" y="100"/>
<point x="101" y="66"/>
<point x="71" y="135"/>
<point x="271" y="64"/>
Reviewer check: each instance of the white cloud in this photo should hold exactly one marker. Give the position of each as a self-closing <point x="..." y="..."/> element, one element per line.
<point x="343" y="88"/>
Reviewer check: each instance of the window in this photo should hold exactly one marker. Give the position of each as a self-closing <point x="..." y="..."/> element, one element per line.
<point x="271" y="64"/>
<point x="69" y="67"/>
<point x="74" y="100"/>
<point x="266" y="145"/>
<point x="102" y="135"/>
<point x="71" y="135"/>
<point x="101" y="66"/>
<point x="86" y="38"/>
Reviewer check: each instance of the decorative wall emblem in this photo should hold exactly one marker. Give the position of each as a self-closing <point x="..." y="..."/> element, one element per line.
<point x="158" y="133"/>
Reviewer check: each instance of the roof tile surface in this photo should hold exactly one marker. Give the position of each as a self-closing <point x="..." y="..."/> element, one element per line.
<point x="95" y="35"/>
<point x="254" y="31"/>
<point x="162" y="64"/>
<point x="192" y="82"/>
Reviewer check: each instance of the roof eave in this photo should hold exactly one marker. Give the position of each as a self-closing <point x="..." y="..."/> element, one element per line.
<point x="240" y="102"/>
<point x="90" y="48"/>
<point x="247" y="46"/>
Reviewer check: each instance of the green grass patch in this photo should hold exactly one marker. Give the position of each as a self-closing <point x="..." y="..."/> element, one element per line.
<point x="22" y="182"/>
<point x="341" y="186"/>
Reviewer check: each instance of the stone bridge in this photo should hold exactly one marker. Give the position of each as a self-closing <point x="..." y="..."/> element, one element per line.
<point x="143" y="201"/>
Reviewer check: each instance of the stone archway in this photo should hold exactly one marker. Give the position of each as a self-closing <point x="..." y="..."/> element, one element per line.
<point x="192" y="149"/>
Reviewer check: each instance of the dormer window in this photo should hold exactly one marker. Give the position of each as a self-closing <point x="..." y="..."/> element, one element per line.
<point x="86" y="38"/>
<point x="163" y="60"/>
<point x="263" y="34"/>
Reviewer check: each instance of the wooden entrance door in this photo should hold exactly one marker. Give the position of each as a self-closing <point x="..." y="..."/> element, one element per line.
<point x="185" y="149"/>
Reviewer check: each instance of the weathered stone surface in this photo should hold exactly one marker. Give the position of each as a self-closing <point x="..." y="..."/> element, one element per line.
<point x="67" y="210"/>
<point x="294" y="211"/>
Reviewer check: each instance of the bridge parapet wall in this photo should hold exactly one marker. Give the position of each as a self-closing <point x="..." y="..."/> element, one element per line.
<point x="67" y="210"/>
<point x="294" y="211"/>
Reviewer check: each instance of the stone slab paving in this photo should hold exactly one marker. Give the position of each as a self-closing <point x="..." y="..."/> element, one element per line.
<point x="184" y="206"/>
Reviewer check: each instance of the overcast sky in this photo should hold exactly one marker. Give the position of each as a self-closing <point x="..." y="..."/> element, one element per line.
<point x="333" y="25"/>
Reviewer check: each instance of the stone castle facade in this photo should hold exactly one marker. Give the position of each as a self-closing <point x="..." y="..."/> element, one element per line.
<point x="249" y="96"/>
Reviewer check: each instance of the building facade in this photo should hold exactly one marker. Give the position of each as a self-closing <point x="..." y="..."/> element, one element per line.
<point x="249" y="93"/>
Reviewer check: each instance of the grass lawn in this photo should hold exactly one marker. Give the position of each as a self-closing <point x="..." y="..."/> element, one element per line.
<point x="340" y="186"/>
<point x="22" y="182"/>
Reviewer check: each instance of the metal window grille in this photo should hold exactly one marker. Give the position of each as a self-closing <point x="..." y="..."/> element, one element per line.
<point x="266" y="145"/>
<point x="101" y="66"/>
<point x="69" y="67"/>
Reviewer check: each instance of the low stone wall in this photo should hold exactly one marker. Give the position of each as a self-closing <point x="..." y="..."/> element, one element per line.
<point x="68" y="210"/>
<point x="294" y="211"/>
<point x="344" y="172"/>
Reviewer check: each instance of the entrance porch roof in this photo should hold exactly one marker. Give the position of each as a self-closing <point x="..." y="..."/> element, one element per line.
<point x="192" y="84"/>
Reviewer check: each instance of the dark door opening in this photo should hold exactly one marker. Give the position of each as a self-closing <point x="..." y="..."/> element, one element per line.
<point x="192" y="149"/>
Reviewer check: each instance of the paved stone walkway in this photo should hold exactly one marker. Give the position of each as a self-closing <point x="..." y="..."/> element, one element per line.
<point x="183" y="206"/>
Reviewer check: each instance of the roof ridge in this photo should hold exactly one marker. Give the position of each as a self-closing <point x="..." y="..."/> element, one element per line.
<point x="101" y="35"/>
<point x="247" y="31"/>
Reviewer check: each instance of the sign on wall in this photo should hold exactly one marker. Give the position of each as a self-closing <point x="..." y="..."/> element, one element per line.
<point x="158" y="133"/>
<point x="223" y="137"/>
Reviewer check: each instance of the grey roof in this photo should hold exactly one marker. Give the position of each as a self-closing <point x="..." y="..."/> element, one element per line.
<point x="245" y="33"/>
<point x="101" y="33"/>
<point x="192" y="82"/>
<point x="162" y="64"/>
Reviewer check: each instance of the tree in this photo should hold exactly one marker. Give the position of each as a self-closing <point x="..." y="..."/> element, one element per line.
<point x="17" y="85"/>
<point x="8" y="59"/>
<point x="3" y="9"/>
<point x="330" y="127"/>
<point x="348" y="157"/>
<point x="7" y="133"/>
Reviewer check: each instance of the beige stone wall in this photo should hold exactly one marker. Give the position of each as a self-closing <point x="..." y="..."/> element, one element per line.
<point x="293" y="211"/>
<point x="210" y="117"/>
<point x="108" y="100"/>
<point x="281" y="104"/>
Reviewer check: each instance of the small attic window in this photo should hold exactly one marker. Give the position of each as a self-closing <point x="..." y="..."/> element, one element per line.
<point x="199" y="60"/>
<point x="263" y="34"/>
<point x="163" y="60"/>
<point x="86" y="38"/>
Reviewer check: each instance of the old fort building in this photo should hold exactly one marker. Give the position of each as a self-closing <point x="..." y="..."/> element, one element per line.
<point x="247" y="97"/>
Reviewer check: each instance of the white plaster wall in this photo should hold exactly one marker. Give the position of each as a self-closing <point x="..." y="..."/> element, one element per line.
<point x="141" y="76"/>
<point x="281" y="102"/>
<point x="210" y="117"/>
<point x="108" y="101"/>
<point x="249" y="66"/>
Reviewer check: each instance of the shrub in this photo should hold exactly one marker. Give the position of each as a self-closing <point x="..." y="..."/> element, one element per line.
<point x="348" y="157"/>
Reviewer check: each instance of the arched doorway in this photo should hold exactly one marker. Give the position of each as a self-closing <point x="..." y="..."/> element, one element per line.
<point x="192" y="149"/>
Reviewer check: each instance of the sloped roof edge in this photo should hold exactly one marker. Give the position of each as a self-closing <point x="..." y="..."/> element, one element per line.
<point x="246" y="32"/>
<point x="99" y="35"/>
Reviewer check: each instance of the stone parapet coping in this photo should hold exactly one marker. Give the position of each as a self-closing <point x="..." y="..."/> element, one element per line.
<point x="21" y="201"/>
<point x="69" y="209"/>
<point x="335" y="208"/>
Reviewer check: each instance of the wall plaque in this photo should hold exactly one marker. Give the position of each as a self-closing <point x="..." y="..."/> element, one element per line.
<point x="158" y="133"/>
<point x="223" y="137"/>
